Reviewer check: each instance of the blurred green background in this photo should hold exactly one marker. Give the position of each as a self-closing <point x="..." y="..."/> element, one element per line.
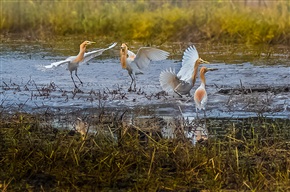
<point x="247" y="21"/>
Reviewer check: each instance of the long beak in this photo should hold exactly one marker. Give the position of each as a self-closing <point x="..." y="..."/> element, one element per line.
<point x="203" y="61"/>
<point x="212" y="69"/>
<point x="91" y="42"/>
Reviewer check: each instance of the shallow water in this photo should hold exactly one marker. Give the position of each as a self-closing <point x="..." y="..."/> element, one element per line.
<point x="250" y="81"/>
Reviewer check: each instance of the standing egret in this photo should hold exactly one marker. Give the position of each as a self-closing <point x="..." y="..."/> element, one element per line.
<point x="182" y="82"/>
<point x="135" y="63"/>
<point x="74" y="61"/>
<point x="200" y="95"/>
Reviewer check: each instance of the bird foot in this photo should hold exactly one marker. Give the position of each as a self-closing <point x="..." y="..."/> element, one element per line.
<point x="133" y="90"/>
<point x="77" y="90"/>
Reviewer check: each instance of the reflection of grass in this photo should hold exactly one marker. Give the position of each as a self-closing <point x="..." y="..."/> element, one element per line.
<point x="251" y="154"/>
<point x="150" y="20"/>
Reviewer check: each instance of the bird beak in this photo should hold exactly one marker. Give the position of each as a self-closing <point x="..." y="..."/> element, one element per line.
<point x="203" y="61"/>
<point x="212" y="69"/>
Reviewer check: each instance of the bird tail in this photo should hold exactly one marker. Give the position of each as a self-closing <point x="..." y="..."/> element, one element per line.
<point x="168" y="80"/>
<point x="138" y="72"/>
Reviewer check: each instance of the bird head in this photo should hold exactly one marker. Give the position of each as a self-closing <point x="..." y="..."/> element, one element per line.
<point x="124" y="47"/>
<point x="85" y="43"/>
<point x="202" y="61"/>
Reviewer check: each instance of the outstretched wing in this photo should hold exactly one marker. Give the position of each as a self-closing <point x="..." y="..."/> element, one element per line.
<point x="90" y="55"/>
<point x="58" y="63"/>
<point x="189" y="58"/>
<point x="168" y="80"/>
<point x="147" y="54"/>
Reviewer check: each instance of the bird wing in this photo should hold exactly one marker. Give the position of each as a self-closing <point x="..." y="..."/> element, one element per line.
<point x="58" y="63"/>
<point x="189" y="58"/>
<point x="90" y="55"/>
<point x="131" y="56"/>
<point x="147" y="54"/>
<point x="168" y="80"/>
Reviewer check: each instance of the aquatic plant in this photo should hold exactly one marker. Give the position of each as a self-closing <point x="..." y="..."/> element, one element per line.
<point x="150" y="21"/>
<point x="242" y="154"/>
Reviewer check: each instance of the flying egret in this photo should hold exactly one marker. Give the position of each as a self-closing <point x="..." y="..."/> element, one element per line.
<point x="135" y="63"/>
<point x="74" y="61"/>
<point x="182" y="82"/>
<point x="200" y="95"/>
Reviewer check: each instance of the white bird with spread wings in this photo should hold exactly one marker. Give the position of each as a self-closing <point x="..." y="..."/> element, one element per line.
<point x="74" y="61"/>
<point x="182" y="82"/>
<point x="135" y="63"/>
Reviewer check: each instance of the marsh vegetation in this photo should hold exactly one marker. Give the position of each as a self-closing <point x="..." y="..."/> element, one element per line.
<point x="240" y="154"/>
<point x="104" y="138"/>
<point x="152" y="21"/>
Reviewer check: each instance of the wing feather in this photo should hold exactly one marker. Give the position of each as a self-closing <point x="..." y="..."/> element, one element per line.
<point x="87" y="56"/>
<point x="190" y="56"/>
<point x="131" y="54"/>
<point x="58" y="63"/>
<point x="147" y="54"/>
<point x="90" y="55"/>
<point x="168" y="80"/>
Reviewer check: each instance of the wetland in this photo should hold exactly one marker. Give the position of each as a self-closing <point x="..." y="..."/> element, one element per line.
<point x="148" y="139"/>
<point x="101" y="137"/>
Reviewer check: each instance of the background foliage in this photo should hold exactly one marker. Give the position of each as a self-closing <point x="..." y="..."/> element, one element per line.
<point x="251" y="22"/>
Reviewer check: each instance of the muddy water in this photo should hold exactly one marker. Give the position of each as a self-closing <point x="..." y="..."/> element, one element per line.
<point x="250" y="81"/>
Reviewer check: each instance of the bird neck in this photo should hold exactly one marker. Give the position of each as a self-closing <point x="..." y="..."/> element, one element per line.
<point x="80" y="56"/>
<point x="194" y="75"/>
<point x="123" y="59"/>
<point x="202" y="78"/>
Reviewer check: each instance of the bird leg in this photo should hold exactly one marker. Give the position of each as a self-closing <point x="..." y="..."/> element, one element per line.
<point x="133" y="81"/>
<point x="177" y="93"/>
<point x="134" y="84"/>
<point x="78" y="77"/>
<point x="73" y="80"/>
<point x="205" y="122"/>
<point x="130" y="88"/>
<point x="196" y="113"/>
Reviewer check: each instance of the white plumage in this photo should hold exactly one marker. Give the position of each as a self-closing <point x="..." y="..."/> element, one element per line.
<point x="190" y="56"/>
<point x="182" y="82"/>
<point x="87" y="57"/>
<point x="74" y="61"/>
<point x="135" y="63"/>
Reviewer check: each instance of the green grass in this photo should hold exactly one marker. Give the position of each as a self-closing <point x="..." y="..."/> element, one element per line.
<point x="151" y="21"/>
<point x="251" y="155"/>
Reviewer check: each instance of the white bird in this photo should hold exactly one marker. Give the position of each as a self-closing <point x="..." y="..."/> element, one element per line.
<point x="74" y="61"/>
<point x="182" y="82"/>
<point x="135" y="63"/>
<point x="200" y="95"/>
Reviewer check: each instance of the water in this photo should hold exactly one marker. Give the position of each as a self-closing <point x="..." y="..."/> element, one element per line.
<point x="233" y="90"/>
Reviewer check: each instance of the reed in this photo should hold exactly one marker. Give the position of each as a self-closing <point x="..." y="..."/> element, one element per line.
<point x="251" y="154"/>
<point x="151" y="21"/>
